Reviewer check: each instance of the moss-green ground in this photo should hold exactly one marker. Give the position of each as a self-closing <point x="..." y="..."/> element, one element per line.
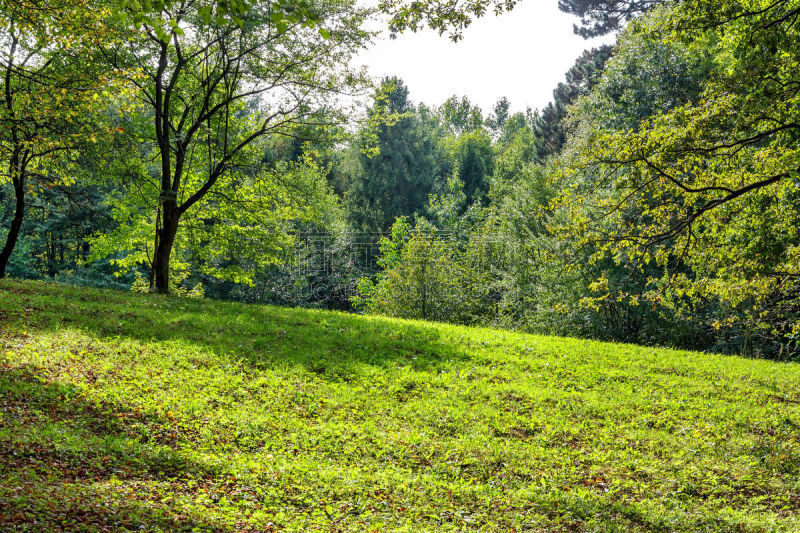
<point x="148" y="413"/>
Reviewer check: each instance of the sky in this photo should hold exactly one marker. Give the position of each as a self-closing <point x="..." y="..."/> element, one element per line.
<point x="521" y="55"/>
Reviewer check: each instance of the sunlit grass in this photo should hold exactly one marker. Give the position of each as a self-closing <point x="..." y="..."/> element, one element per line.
<point x="124" y="411"/>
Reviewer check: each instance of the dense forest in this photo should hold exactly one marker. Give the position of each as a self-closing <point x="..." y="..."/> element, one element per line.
<point x="223" y="150"/>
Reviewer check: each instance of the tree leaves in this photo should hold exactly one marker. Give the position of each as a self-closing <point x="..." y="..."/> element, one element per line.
<point x="685" y="163"/>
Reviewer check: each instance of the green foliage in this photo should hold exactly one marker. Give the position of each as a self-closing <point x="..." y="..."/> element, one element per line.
<point x="461" y="116"/>
<point x="214" y="110"/>
<point x="396" y="181"/>
<point x="644" y="78"/>
<point x="696" y="187"/>
<point x="551" y="126"/>
<point x="499" y="115"/>
<point x="440" y="15"/>
<point x="600" y="17"/>
<point x="473" y="157"/>
<point x="222" y="240"/>
<point x="148" y="13"/>
<point x="418" y="281"/>
<point x="426" y="275"/>
<point x="449" y="212"/>
<point x="54" y="237"/>
<point x="163" y="413"/>
<point x="51" y="82"/>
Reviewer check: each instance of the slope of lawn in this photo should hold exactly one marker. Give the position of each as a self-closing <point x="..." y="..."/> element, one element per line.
<point x="120" y="411"/>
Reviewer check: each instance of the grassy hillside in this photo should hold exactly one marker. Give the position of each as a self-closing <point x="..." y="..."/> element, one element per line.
<point x="122" y="411"/>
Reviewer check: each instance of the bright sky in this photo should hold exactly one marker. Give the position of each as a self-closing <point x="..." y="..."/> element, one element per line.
<point x="521" y="55"/>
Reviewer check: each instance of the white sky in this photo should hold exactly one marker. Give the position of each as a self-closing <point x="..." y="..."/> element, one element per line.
<point x="521" y="55"/>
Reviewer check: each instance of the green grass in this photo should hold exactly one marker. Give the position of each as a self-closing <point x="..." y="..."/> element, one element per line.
<point x="148" y="413"/>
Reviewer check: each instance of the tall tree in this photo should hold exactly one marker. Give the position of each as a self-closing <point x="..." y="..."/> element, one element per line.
<point x="460" y="115"/>
<point x="215" y="88"/>
<point x="501" y="111"/>
<point x="473" y="155"/>
<point x="397" y="181"/>
<point x="600" y="17"/>
<point x="710" y="182"/>
<point x="49" y="85"/>
<point x="550" y="126"/>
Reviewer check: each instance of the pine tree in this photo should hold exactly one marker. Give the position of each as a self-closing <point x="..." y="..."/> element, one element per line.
<point x="601" y="17"/>
<point x="397" y="181"/>
<point x="584" y="74"/>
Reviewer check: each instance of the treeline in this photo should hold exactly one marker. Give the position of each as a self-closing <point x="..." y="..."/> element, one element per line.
<point x="653" y="201"/>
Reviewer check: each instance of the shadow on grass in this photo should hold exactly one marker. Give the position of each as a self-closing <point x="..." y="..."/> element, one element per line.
<point x="69" y="464"/>
<point x="333" y="345"/>
<point x="64" y="462"/>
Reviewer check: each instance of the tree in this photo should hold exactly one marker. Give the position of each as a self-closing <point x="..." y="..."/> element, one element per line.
<point x="500" y="113"/>
<point x="709" y="182"/>
<point x="600" y="17"/>
<point x="550" y="126"/>
<point x="149" y="14"/>
<point x="473" y="156"/>
<point x="515" y="155"/>
<point x="397" y="180"/>
<point x="440" y="15"/>
<point x="50" y="83"/>
<point x="461" y="116"/>
<point x="424" y="276"/>
<point x="216" y="88"/>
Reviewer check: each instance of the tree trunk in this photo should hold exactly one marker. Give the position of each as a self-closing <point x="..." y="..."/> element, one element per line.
<point x="166" y="239"/>
<point x="16" y="222"/>
<point x="51" y="255"/>
<point x="16" y="162"/>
